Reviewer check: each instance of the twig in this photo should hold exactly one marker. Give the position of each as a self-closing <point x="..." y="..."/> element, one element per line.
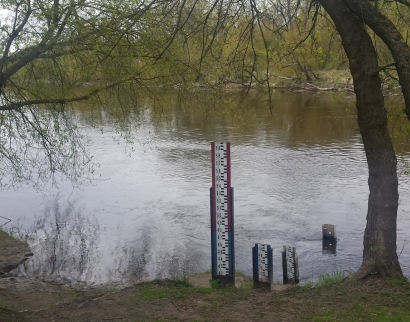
<point x="386" y="66"/>
<point x="404" y="244"/>
<point x="6" y="222"/>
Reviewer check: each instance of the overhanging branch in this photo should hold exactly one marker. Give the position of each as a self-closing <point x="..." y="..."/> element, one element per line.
<point x="62" y="100"/>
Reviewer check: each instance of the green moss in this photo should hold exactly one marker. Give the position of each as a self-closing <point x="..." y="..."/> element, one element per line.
<point x="8" y="315"/>
<point x="4" y="235"/>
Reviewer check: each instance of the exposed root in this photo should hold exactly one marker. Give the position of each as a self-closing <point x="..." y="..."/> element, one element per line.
<point x="366" y="271"/>
<point x="362" y="273"/>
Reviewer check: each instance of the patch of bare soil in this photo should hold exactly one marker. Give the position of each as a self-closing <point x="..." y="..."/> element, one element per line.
<point x="35" y="300"/>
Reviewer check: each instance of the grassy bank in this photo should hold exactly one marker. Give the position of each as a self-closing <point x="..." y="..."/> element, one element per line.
<point x="182" y="300"/>
<point x="327" y="301"/>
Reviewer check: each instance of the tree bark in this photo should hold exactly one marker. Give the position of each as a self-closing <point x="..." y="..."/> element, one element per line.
<point x="379" y="251"/>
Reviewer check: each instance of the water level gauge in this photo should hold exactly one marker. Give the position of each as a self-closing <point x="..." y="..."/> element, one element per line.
<point x="222" y="214"/>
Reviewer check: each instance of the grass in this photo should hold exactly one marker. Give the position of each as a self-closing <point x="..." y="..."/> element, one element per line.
<point x="307" y="285"/>
<point x="182" y="281"/>
<point x="396" y="281"/>
<point x="327" y="280"/>
<point x="363" y="313"/>
<point x="372" y="300"/>
<point x="159" y="289"/>
<point x="7" y="314"/>
<point x="178" y="289"/>
<point x="3" y="234"/>
<point x="379" y="302"/>
<point x="75" y="293"/>
<point x="214" y="284"/>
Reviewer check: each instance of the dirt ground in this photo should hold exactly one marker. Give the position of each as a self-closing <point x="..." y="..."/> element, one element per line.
<point x="40" y="299"/>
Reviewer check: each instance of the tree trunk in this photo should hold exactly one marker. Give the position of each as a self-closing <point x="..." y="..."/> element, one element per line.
<point x="379" y="252"/>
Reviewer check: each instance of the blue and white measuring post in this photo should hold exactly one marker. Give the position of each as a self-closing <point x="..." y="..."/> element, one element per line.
<point x="290" y="265"/>
<point x="262" y="266"/>
<point x="222" y="223"/>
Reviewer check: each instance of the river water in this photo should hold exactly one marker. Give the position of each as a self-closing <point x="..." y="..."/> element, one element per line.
<point x="146" y="214"/>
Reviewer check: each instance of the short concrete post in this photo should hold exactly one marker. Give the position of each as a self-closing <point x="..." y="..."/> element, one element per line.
<point x="262" y="266"/>
<point x="290" y="265"/>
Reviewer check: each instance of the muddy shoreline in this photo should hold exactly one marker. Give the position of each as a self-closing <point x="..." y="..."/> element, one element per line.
<point x="39" y="299"/>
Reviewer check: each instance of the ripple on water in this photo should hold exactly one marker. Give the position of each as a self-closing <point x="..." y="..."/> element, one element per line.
<point x="148" y="215"/>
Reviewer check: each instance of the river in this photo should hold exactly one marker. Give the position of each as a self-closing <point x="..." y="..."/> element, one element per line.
<point x="146" y="214"/>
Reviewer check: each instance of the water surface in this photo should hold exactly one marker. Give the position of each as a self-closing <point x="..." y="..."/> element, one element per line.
<point x="147" y="213"/>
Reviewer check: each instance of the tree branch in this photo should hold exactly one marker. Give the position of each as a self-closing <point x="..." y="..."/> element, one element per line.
<point x="386" y="66"/>
<point x="62" y="100"/>
<point x="15" y="33"/>
<point x="405" y="2"/>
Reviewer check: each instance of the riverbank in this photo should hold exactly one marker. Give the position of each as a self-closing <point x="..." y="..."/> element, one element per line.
<point x="13" y="252"/>
<point x="323" y="81"/>
<point x="35" y="299"/>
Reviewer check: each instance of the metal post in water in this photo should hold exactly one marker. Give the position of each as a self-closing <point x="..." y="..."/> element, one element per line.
<point x="329" y="240"/>
<point x="222" y="219"/>
<point x="290" y="265"/>
<point x="262" y="266"/>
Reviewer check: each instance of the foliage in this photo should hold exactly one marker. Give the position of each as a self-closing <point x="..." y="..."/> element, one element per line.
<point x="75" y="293"/>
<point x="159" y="289"/>
<point x="214" y="284"/>
<point x="56" y="53"/>
<point x="326" y="279"/>
<point x="308" y="284"/>
<point x="376" y="300"/>
<point x="182" y="281"/>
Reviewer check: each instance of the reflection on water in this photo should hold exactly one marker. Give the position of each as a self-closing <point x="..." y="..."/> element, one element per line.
<point x="65" y="242"/>
<point x="147" y="214"/>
